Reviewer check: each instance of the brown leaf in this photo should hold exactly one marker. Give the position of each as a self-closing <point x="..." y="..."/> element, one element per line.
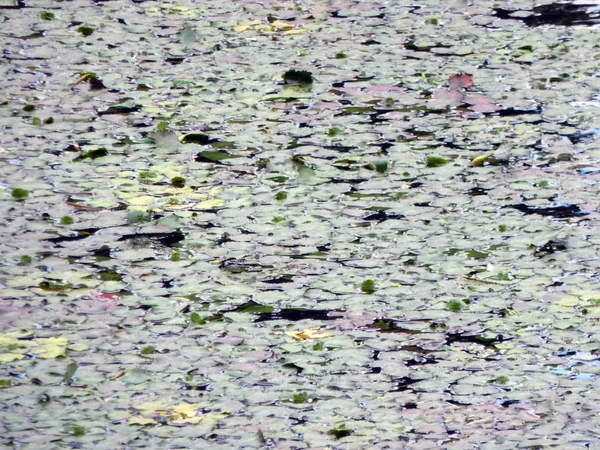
<point x="460" y="80"/>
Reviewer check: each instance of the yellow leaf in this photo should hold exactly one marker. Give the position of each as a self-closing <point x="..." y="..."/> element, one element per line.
<point x="186" y="409"/>
<point x="295" y="31"/>
<point x="142" y="200"/>
<point x="568" y="301"/>
<point x="279" y="25"/>
<point x="210" y="203"/>
<point x="141" y="421"/>
<point x="480" y="160"/>
<point x="49" y="347"/>
<point x="9" y="357"/>
<point x="78" y="347"/>
<point x="307" y="334"/>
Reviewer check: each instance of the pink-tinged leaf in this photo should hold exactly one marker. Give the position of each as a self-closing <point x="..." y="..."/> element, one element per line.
<point x="481" y="103"/>
<point x="485" y="108"/>
<point x="104" y="295"/>
<point x="444" y="98"/>
<point x="460" y="80"/>
<point x="326" y="105"/>
<point x="383" y="88"/>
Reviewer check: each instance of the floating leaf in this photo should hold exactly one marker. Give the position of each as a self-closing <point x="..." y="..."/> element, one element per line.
<point x="307" y="334"/>
<point x="460" y="80"/>
<point x="435" y="161"/>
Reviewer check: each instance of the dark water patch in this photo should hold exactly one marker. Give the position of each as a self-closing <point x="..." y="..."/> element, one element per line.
<point x="301" y="77"/>
<point x="214" y="156"/>
<point x="81" y="234"/>
<point x="252" y="307"/>
<point x="238" y="266"/>
<point x="476" y="191"/>
<point x="338" y="180"/>
<point x="356" y="110"/>
<point x="355" y="194"/>
<point x="549" y="248"/>
<point x="391" y="326"/>
<point x="102" y="254"/>
<point x="582" y="136"/>
<point x="505" y="402"/>
<point x="341" y="84"/>
<point x="166" y="239"/>
<point x="382" y="216"/>
<point x="403" y="384"/>
<point x="421" y="360"/>
<point x="375" y="117"/>
<point x="279" y="280"/>
<point x="410" y="45"/>
<point x="561" y="14"/>
<point x="560" y="212"/>
<point x="17" y="4"/>
<point x="458" y="403"/>
<point x="340" y="148"/>
<point x="476" y="339"/>
<point x="196" y="138"/>
<point x="120" y="109"/>
<point x="175" y="60"/>
<point x="510" y="112"/>
<point x="320" y="255"/>
<point x="296" y="314"/>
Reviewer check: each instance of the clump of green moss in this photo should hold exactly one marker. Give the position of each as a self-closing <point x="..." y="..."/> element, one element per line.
<point x="47" y="15"/>
<point x="66" y="220"/>
<point x="300" y="397"/>
<point x="341" y="55"/>
<point x="178" y="182"/>
<point x="368" y="287"/>
<point x="340" y="432"/>
<point x="93" y="154"/>
<point x="281" y="195"/>
<point x="19" y="194"/>
<point x="333" y="131"/>
<point x="25" y="259"/>
<point x="85" y="30"/>
<point x="455" y="305"/>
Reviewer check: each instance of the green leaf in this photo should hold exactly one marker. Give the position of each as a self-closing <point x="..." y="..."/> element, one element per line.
<point x="71" y="369"/>
<point x="148" y="351"/>
<point x="435" y="161"/>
